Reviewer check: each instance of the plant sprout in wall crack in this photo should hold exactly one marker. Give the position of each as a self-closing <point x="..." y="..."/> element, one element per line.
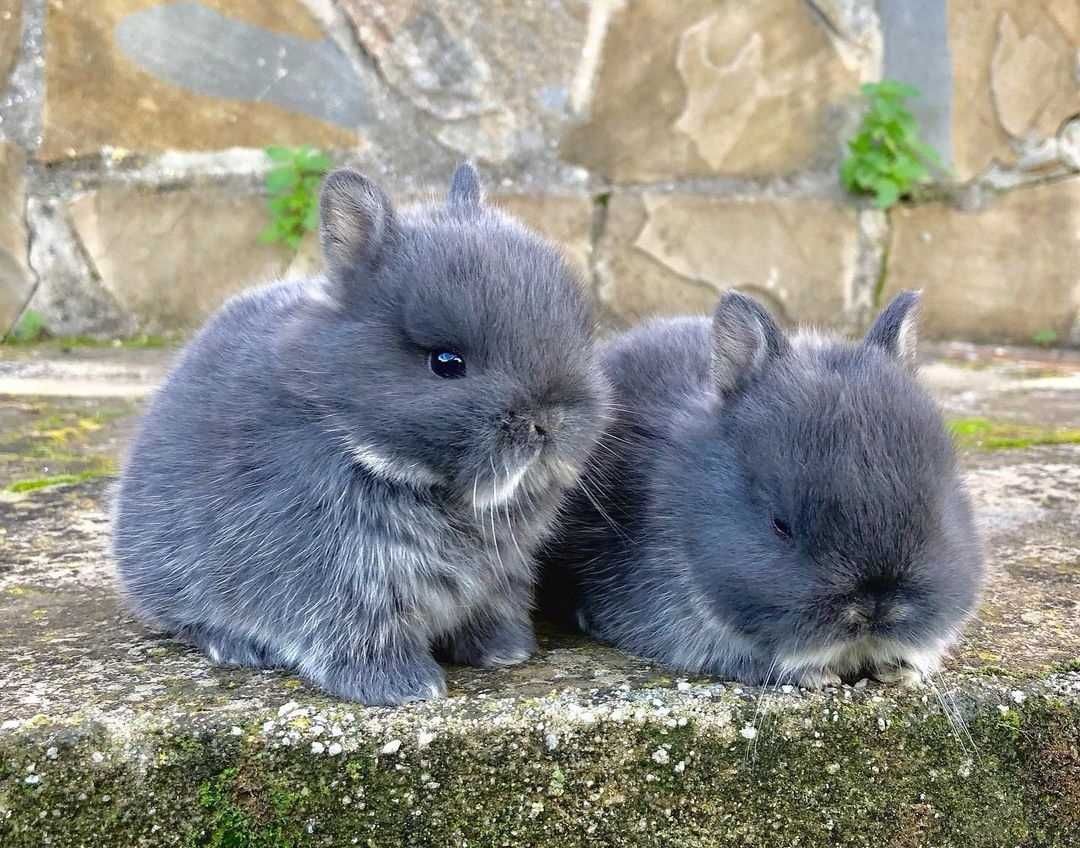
<point x="293" y="185"/>
<point x="887" y="157"/>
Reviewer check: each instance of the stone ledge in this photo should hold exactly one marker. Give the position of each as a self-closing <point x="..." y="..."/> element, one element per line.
<point x="658" y="764"/>
<point x="112" y="735"/>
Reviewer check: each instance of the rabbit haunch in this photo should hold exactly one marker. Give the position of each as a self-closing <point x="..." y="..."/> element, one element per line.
<point x="348" y="476"/>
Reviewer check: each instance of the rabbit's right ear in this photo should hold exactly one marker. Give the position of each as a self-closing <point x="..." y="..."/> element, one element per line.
<point x="357" y="220"/>
<point x="894" y="330"/>
<point x="744" y="339"/>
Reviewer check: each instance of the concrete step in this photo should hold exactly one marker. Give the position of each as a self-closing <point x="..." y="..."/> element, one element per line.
<point x="111" y="735"/>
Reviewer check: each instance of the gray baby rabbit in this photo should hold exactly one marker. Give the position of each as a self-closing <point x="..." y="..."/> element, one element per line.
<point x="770" y="508"/>
<point x="348" y="476"/>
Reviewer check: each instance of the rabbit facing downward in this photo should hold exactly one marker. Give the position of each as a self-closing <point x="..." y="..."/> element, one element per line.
<point x="771" y="508"/>
<point x="348" y="476"/>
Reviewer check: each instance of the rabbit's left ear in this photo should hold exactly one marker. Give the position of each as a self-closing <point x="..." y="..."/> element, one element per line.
<point x="357" y="221"/>
<point x="895" y="330"/>
<point x="465" y="192"/>
<point x="745" y="339"/>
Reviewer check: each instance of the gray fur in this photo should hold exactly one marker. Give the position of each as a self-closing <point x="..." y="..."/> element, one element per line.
<point x="306" y="493"/>
<point x="719" y="430"/>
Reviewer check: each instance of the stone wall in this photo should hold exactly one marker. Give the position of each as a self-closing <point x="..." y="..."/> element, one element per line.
<point x="676" y="149"/>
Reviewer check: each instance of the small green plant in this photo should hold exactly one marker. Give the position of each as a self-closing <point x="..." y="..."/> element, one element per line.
<point x="293" y="185"/>
<point x="1045" y="337"/>
<point x="30" y="328"/>
<point x="887" y="158"/>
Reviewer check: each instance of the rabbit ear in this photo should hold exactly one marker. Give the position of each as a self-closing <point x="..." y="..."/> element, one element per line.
<point x="744" y="339"/>
<point x="894" y="331"/>
<point x="465" y="189"/>
<point x="356" y="221"/>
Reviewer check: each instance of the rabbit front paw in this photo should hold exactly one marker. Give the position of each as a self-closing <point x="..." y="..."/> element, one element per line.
<point x="493" y="644"/>
<point x="384" y="681"/>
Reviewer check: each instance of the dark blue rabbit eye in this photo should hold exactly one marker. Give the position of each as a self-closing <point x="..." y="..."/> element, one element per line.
<point x="780" y="528"/>
<point x="447" y="364"/>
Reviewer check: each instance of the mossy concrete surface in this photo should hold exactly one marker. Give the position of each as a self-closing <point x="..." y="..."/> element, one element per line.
<point x="112" y="735"/>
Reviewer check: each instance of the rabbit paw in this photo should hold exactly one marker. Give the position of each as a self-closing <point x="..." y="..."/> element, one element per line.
<point x="388" y="682"/>
<point x="228" y="649"/>
<point x="900" y="673"/>
<point x="497" y="645"/>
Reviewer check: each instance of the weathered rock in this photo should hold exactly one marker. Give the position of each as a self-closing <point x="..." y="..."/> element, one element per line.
<point x="112" y="735"/>
<point x="69" y="295"/>
<point x="10" y="35"/>
<point x="1002" y="274"/>
<point x="497" y="73"/>
<point x="169" y="259"/>
<point x="15" y="279"/>
<point x="675" y="253"/>
<point x="246" y="74"/>
<point x="699" y="88"/>
<point x="1014" y="66"/>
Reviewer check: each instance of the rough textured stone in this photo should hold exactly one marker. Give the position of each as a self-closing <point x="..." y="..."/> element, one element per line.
<point x="699" y="88"/>
<point x="1014" y="65"/>
<point x="115" y="78"/>
<point x="15" y="279"/>
<point x="675" y="253"/>
<point x="111" y="735"/>
<point x="498" y="73"/>
<point x="169" y="259"/>
<point x="1002" y="274"/>
<point x="69" y="295"/>
<point x="10" y="34"/>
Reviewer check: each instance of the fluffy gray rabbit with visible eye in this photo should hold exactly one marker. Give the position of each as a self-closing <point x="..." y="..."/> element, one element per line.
<point x="348" y="476"/>
<point x="770" y="508"/>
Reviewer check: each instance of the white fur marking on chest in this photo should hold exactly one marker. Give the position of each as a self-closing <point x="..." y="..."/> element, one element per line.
<point x="502" y="490"/>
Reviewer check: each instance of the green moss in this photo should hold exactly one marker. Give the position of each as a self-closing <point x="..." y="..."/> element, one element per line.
<point x="235" y="816"/>
<point x="991" y="670"/>
<point x="29" y="328"/>
<point x="857" y="774"/>
<point x="103" y="468"/>
<point x="983" y="434"/>
<point x="43" y="340"/>
<point x="141" y="342"/>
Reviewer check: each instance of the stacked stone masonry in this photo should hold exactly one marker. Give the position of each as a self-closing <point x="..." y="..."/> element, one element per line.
<point x="675" y="149"/>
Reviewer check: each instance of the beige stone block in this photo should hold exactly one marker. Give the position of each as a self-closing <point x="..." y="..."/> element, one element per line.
<point x="15" y="278"/>
<point x="1014" y="71"/>
<point x="97" y="94"/>
<point x="999" y="275"/>
<point x="170" y="259"/>
<point x="676" y="253"/>
<point x="699" y="88"/>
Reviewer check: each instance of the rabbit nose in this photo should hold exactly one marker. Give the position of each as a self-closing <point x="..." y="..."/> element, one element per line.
<point x="532" y="429"/>
<point x="873" y="605"/>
